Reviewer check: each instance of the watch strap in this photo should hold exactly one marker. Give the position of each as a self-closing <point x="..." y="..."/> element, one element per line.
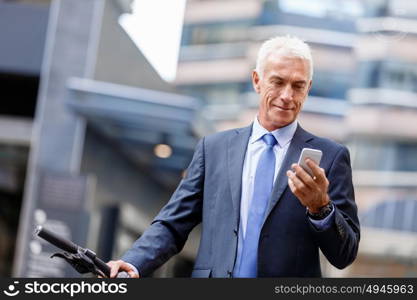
<point x="322" y="213"/>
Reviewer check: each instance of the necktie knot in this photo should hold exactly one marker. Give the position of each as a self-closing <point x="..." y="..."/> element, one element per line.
<point x="269" y="139"/>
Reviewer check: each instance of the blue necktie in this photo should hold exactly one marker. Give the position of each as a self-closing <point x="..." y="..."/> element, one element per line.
<point x="264" y="181"/>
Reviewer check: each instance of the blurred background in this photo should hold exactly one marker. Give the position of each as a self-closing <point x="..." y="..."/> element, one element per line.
<point x="98" y="122"/>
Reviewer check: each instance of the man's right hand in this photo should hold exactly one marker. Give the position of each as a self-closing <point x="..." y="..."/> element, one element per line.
<point x="117" y="266"/>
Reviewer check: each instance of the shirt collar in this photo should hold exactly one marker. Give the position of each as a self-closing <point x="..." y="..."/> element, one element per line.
<point x="283" y="135"/>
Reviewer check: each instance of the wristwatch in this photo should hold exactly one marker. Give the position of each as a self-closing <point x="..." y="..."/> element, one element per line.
<point x="322" y="213"/>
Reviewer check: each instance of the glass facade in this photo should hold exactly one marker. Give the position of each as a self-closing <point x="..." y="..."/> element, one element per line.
<point x="330" y="14"/>
<point x="220" y="93"/>
<point x="323" y="8"/>
<point x="394" y="214"/>
<point x="332" y="85"/>
<point x="219" y="32"/>
<point x="213" y="52"/>
<point x="384" y="155"/>
<point x="388" y="74"/>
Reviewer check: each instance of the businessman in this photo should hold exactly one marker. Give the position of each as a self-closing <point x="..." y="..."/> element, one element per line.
<point x="262" y="214"/>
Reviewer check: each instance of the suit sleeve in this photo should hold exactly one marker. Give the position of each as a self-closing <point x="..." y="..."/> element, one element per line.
<point x="170" y="229"/>
<point x="339" y="242"/>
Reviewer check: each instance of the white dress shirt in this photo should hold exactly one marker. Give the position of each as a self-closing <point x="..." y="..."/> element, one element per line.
<point x="255" y="148"/>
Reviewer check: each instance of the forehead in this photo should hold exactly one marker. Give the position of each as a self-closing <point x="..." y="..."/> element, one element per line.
<point x="287" y="67"/>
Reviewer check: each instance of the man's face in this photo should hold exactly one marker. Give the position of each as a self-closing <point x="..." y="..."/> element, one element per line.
<point x="283" y="89"/>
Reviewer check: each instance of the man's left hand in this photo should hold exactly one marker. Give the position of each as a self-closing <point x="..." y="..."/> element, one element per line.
<point x="311" y="191"/>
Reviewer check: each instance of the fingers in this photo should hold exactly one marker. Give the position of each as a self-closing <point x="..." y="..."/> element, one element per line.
<point x="296" y="185"/>
<point x="128" y="268"/>
<point x="317" y="171"/>
<point x="311" y="192"/>
<point x="133" y="274"/>
<point x="119" y="266"/>
<point x="303" y="175"/>
<point x="114" y="268"/>
<point x="294" y="189"/>
<point x="302" y="184"/>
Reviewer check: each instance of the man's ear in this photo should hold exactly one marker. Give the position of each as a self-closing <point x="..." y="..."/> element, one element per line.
<point x="255" y="81"/>
<point x="309" y="86"/>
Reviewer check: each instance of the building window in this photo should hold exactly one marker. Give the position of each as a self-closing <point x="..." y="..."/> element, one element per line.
<point x="385" y="156"/>
<point x="392" y="215"/>
<point x="331" y="84"/>
<point x="322" y="8"/>
<point x="215" y="94"/>
<point x="388" y="75"/>
<point x="199" y="34"/>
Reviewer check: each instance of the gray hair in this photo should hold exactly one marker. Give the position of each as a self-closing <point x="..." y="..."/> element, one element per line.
<point x="286" y="45"/>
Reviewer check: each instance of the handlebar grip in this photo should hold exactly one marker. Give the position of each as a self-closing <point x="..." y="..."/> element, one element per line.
<point x="102" y="266"/>
<point x="56" y="240"/>
<point x="106" y="269"/>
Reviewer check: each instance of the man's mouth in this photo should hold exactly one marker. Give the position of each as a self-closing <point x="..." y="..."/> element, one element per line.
<point x="282" y="108"/>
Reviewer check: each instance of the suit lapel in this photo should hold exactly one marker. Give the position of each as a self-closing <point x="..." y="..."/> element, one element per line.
<point x="237" y="145"/>
<point x="298" y="142"/>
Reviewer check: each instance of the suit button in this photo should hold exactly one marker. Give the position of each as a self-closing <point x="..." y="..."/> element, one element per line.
<point x="235" y="231"/>
<point x="229" y="274"/>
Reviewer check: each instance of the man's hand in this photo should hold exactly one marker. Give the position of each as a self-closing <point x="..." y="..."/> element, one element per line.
<point x="312" y="192"/>
<point x="117" y="266"/>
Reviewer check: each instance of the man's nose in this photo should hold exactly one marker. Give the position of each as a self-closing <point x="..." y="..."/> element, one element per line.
<point x="287" y="93"/>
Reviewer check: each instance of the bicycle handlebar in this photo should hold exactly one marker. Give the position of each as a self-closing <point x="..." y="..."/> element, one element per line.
<point x="73" y="248"/>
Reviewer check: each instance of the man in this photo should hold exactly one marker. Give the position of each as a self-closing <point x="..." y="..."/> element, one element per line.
<point x="263" y="215"/>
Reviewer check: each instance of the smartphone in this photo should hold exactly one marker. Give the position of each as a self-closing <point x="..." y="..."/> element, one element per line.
<point x="313" y="154"/>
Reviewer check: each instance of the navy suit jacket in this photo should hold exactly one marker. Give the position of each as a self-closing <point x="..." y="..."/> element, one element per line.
<point x="210" y="193"/>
